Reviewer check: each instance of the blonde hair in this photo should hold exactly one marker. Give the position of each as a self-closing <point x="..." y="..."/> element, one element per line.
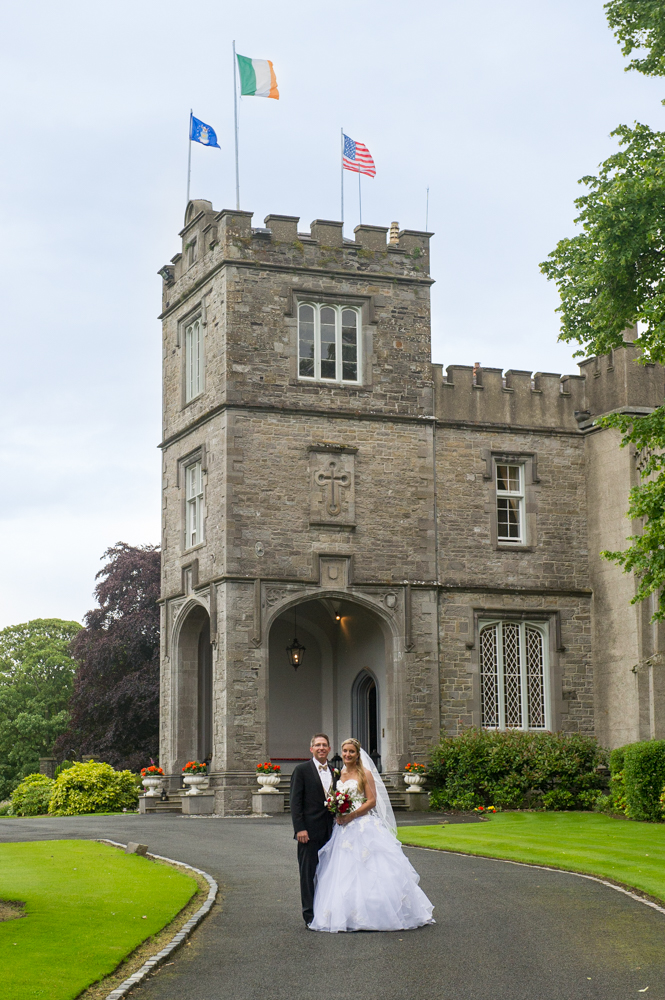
<point x="359" y="764"/>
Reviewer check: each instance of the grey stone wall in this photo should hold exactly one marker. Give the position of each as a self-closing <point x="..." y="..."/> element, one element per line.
<point x="570" y="653"/>
<point x="556" y="557"/>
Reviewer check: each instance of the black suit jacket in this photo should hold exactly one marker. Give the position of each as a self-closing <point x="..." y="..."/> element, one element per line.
<point x="308" y="802"/>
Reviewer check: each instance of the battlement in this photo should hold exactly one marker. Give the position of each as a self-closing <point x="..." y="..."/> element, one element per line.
<point x="617" y="381"/>
<point x="209" y="236"/>
<point x="518" y="398"/>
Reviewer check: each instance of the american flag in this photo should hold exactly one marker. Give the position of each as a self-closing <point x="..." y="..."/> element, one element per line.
<point x="357" y="158"/>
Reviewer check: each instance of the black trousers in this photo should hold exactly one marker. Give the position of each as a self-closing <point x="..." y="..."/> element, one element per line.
<point x="308" y="859"/>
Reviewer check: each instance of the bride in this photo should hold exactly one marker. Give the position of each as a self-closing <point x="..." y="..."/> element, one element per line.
<point x="364" y="881"/>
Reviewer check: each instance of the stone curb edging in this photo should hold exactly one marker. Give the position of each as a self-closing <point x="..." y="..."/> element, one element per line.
<point x="545" y="868"/>
<point x="156" y="960"/>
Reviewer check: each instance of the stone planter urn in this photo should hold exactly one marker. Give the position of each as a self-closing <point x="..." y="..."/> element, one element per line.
<point x="151" y="785"/>
<point x="196" y="782"/>
<point x="414" y="781"/>
<point x="269" y="783"/>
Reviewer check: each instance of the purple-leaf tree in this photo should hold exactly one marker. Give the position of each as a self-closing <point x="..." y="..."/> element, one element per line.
<point x="115" y="703"/>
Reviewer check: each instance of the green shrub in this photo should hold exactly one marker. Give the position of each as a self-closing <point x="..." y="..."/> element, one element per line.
<point x="617" y="799"/>
<point x="514" y="769"/>
<point x="644" y="777"/>
<point x="32" y="796"/>
<point x="93" y="788"/>
<point x="63" y="767"/>
<point x="6" y="808"/>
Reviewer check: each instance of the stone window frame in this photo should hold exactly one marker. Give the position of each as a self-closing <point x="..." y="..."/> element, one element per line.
<point x="365" y="306"/>
<point x="200" y="312"/>
<point x="198" y="455"/>
<point x="555" y="646"/>
<point x="529" y="462"/>
<point x="540" y="627"/>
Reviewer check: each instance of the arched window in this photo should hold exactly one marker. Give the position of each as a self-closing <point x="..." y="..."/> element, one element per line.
<point x="514" y="677"/>
<point x="365" y="711"/>
<point x="328" y="342"/>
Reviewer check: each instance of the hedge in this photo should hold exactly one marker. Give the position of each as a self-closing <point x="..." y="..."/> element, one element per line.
<point x="32" y="796"/>
<point x="515" y="769"/>
<point x="93" y="788"/>
<point x="638" y="779"/>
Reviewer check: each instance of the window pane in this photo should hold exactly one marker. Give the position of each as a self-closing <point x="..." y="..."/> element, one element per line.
<point x="194" y="498"/>
<point x="328" y="344"/>
<point x="508" y="478"/>
<point x="489" y="677"/>
<point x="535" y="673"/>
<point x="196" y="359"/>
<point x="306" y="341"/>
<point x="349" y="346"/>
<point x="193" y="360"/>
<point x="512" y="679"/>
<point x="508" y="519"/>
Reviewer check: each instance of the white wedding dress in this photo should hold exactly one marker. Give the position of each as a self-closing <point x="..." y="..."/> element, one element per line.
<point x="364" y="881"/>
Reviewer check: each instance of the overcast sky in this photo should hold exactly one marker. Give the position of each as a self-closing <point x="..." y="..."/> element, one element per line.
<point x="499" y="108"/>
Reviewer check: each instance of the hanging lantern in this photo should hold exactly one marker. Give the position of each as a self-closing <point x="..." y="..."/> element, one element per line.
<point x="295" y="650"/>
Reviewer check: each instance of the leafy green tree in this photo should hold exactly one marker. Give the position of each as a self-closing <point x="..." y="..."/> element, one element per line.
<point x="611" y="277"/>
<point x="640" y="24"/>
<point x="36" y="682"/>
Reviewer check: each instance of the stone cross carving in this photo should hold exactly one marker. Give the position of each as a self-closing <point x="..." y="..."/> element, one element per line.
<point x="337" y="481"/>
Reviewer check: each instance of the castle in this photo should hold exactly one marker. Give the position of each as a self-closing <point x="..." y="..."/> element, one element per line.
<point x="358" y="542"/>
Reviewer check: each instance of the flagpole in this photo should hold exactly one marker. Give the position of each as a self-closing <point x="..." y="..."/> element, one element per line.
<point x="189" y="155"/>
<point x="235" y="123"/>
<point x="360" y="202"/>
<point x="427" y="210"/>
<point x="342" y="163"/>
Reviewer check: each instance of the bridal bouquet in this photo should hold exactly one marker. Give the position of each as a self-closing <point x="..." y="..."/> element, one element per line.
<point x="340" y="802"/>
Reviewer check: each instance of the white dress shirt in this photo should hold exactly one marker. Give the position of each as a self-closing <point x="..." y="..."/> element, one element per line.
<point x="324" y="774"/>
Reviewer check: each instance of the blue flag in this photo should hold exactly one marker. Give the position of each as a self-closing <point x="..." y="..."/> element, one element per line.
<point x="200" y="132"/>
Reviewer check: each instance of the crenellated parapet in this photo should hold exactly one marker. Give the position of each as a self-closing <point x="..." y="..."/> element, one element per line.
<point x="617" y="381"/>
<point x="516" y="398"/>
<point x="210" y="238"/>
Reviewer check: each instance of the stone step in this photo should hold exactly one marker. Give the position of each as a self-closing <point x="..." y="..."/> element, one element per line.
<point x="157" y="806"/>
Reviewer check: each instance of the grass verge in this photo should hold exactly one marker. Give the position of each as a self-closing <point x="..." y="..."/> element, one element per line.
<point x="87" y="906"/>
<point x="100" y="990"/>
<point x="627" y="852"/>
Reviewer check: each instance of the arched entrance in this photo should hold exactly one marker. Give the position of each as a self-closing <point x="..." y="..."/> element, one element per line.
<point x="194" y="735"/>
<point x="365" y="712"/>
<point x="342" y="685"/>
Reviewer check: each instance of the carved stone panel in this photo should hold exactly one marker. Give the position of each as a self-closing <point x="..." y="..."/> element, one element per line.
<point x="332" y="487"/>
<point x="334" y="572"/>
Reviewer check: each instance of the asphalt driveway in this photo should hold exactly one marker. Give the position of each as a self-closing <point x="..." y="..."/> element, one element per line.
<point x="503" y="931"/>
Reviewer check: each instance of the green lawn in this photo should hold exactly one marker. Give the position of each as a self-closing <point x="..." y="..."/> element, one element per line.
<point x="85" y="906"/>
<point x="626" y="851"/>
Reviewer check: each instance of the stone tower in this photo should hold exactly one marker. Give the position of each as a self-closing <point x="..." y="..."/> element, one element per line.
<point x="431" y="538"/>
<point x="299" y="474"/>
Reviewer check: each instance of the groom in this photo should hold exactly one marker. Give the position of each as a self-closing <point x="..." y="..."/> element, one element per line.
<point x="312" y="822"/>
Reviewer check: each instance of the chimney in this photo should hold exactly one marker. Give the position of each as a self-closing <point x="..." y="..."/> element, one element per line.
<point x="394" y="232"/>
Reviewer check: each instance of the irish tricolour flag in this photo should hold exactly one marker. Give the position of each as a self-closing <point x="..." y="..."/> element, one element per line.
<point x="257" y="78"/>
